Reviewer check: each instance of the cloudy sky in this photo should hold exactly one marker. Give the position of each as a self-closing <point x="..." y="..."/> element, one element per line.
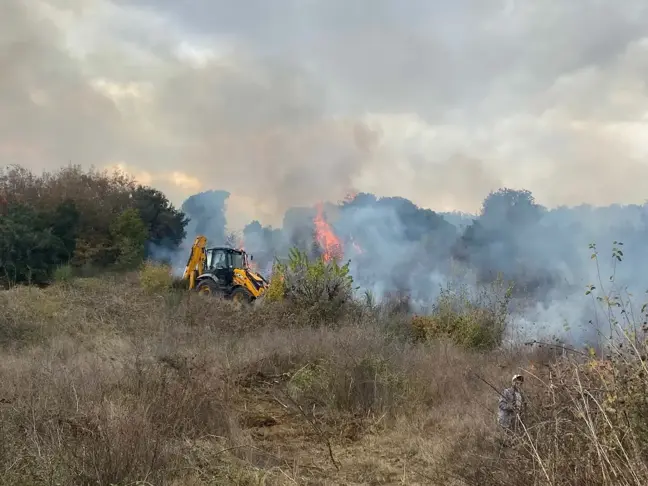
<point x="287" y="102"/>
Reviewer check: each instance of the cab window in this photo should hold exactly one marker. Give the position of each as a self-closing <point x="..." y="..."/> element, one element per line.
<point x="218" y="260"/>
<point x="237" y="260"/>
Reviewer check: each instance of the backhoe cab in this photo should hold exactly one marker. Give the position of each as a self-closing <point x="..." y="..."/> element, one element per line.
<point x="222" y="271"/>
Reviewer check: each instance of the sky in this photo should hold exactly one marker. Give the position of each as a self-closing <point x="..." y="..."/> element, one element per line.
<point x="288" y="102"/>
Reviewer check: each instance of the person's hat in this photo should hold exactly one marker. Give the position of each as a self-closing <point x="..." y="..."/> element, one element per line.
<point x="518" y="378"/>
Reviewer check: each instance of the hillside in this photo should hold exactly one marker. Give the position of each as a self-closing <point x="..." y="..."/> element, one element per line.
<point x="109" y="381"/>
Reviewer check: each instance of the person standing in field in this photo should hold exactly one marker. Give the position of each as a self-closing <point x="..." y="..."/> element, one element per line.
<point x="511" y="405"/>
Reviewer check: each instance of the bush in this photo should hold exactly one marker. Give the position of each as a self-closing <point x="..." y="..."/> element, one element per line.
<point x="277" y="287"/>
<point x="155" y="277"/>
<point x="471" y="321"/>
<point x="312" y="284"/>
<point x="63" y="274"/>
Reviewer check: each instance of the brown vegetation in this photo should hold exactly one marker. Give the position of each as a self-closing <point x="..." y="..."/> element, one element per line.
<point x="117" y="380"/>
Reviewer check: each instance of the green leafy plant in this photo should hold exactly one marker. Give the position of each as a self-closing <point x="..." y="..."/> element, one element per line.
<point x="307" y="283"/>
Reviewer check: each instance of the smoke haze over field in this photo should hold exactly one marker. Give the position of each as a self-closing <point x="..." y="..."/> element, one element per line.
<point x="285" y="104"/>
<point x="395" y="247"/>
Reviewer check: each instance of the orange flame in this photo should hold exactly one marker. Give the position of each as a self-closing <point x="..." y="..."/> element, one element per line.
<point x="326" y="238"/>
<point x="350" y="196"/>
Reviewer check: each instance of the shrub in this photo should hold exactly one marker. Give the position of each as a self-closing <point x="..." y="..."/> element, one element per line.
<point x="277" y="288"/>
<point x="63" y="274"/>
<point x="156" y="277"/>
<point x="471" y="321"/>
<point x="313" y="284"/>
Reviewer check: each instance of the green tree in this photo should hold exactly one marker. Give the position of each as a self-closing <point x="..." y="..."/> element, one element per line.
<point x="510" y="207"/>
<point x="30" y="249"/>
<point x="166" y="224"/>
<point x="81" y="206"/>
<point x="64" y="222"/>
<point x="129" y="234"/>
<point x="97" y="196"/>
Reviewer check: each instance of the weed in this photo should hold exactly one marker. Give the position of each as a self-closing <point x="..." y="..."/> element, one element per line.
<point x="156" y="277"/>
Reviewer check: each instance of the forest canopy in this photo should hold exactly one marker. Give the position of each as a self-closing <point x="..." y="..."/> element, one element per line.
<point x="87" y="219"/>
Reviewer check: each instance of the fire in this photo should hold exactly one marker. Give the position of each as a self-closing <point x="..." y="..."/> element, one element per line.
<point x="326" y="238"/>
<point x="241" y="246"/>
<point x="350" y="196"/>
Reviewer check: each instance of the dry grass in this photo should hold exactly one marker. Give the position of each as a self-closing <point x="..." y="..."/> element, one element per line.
<point x="105" y="383"/>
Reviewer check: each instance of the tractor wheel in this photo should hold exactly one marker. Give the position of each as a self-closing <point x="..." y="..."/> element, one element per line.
<point x="208" y="288"/>
<point x="241" y="296"/>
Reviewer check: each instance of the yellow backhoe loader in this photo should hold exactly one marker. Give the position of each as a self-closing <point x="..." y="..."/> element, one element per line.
<point x="223" y="271"/>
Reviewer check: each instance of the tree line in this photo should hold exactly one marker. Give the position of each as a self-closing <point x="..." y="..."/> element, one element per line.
<point x="92" y="220"/>
<point x="88" y="220"/>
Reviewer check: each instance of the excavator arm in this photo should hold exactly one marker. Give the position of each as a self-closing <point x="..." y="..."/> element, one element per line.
<point x="196" y="263"/>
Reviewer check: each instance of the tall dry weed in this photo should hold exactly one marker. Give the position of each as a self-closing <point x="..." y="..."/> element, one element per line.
<point x="104" y="382"/>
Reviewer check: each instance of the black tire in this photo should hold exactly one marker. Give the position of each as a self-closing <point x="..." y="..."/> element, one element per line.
<point x="241" y="295"/>
<point x="208" y="288"/>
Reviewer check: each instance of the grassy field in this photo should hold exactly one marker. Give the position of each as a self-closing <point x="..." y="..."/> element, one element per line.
<point x="104" y="381"/>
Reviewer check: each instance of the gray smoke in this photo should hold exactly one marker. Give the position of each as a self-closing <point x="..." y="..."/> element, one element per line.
<point x="206" y="213"/>
<point x="295" y="102"/>
<point x="395" y="246"/>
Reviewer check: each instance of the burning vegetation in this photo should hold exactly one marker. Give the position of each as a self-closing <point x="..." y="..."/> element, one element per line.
<point x="328" y="241"/>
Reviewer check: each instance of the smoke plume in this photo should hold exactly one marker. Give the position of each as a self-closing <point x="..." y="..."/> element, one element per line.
<point x="396" y="247"/>
<point x="300" y="102"/>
